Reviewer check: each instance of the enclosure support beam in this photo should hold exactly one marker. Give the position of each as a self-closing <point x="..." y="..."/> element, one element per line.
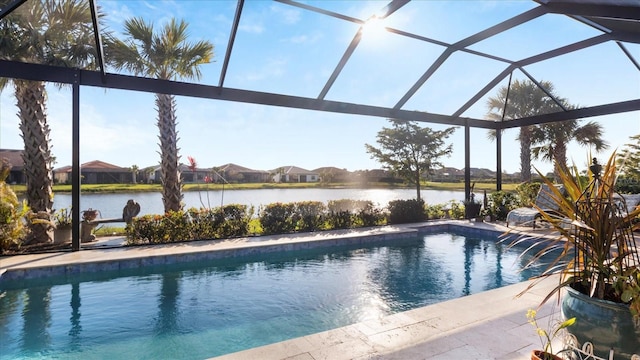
<point x="467" y="162"/>
<point x="498" y="160"/>
<point x="75" y="165"/>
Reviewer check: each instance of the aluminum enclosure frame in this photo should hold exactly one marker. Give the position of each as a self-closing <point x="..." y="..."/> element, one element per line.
<point x="618" y="20"/>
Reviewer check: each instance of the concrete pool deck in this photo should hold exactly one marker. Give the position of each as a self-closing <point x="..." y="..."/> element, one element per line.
<point x="488" y="325"/>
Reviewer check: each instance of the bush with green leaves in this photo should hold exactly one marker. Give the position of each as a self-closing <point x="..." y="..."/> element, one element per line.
<point x="436" y="211"/>
<point x="527" y="193"/>
<point x="12" y="213"/>
<point x="204" y="223"/>
<point x="368" y="215"/>
<point x="233" y="220"/>
<point x="278" y="218"/>
<point x="194" y="224"/>
<point x="347" y="213"/>
<point x="456" y="209"/>
<point x="309" y="215"/>
<point x="499" y="203"/>
<point x="406" y="211"/>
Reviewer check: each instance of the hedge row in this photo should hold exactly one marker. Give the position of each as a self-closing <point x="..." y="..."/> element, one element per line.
<point x="280" y="218"/>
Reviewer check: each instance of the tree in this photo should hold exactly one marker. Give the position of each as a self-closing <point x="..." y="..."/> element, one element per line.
<point x="550" y="140"/>
<point x="410" y="151"/>
<point x="48" y="32"/>
<point x="629" y="159"/>
<point x="165" y="55"/>
<point x="134" y="173"/>
<point x="525" y="99"/>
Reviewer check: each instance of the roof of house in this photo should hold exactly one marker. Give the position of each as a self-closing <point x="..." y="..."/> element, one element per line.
<point x="330" y="169"/>
<point x="95" y="165"/>
<point x="449" y="170"/>
<point x="290" y="169"/>
<point x="14" y="157"/>
<point x="230" y="167"/>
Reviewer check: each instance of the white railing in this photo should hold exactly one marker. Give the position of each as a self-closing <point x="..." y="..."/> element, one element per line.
<point x="573" y="351"/>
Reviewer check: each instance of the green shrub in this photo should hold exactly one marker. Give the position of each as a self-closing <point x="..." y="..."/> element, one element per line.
<point x="278" y="218"/>
<point x="435" y="211"/>
<point x="232" y="220"/>
<point x="194" y="224"/>
<point x="309" y="215"/>
<point x="368" y="215"/>
<point x="347" y="213"/>
<point x="499" y="203"/>
<point x="527" y="193"/>
<point x="456" y="209"/>
<point x="144" y="229"/>
<point x="159" y="229"/>
<point x="204" y="223"/>
<point x="12" y="213"/>
<point x="406" y="211"/>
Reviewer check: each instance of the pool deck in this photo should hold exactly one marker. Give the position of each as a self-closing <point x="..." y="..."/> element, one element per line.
<point x="487" y="325"/>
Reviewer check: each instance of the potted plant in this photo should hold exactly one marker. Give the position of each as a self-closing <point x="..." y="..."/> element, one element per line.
<point x="595" y="256"/>
<point x="62" y="220"/>
<point x="546" y="337"/>
<point x="471" y="206"/>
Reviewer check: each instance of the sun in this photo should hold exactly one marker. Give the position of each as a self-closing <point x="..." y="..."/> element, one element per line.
<point x="374" y="26"/>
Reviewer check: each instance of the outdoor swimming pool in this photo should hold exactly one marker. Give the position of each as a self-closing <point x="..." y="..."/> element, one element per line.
<point x="205" y="309"/>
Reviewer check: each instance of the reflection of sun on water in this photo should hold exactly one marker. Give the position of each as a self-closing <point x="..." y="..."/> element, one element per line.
<point x="373" y="306"/>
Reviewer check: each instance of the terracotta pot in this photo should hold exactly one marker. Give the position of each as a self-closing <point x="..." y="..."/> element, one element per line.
<point x="538" y="355"/>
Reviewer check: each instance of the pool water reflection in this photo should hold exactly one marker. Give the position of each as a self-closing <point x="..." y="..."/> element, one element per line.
<point x="205" y="309"/>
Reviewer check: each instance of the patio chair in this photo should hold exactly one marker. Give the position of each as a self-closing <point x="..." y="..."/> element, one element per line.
<point x="529" y="215"/>
<point x="628" y="202"/>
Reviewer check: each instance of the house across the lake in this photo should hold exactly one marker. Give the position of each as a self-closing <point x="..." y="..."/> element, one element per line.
<point x="95" y="172"/>
<point x="100" y="172"/>
<point x="294" y="174"/>
<point x="16" y="174"/>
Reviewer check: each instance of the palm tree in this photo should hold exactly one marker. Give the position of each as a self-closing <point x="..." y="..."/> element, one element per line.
<point x="525" y="99"/>
<point x="550" y="141"/>
<point x="165" y="55"/>
<point x="134" y="173"/>
<point x="48" y="32"/>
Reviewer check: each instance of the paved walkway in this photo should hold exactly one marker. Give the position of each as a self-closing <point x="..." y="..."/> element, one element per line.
<point x="488" y="325"/>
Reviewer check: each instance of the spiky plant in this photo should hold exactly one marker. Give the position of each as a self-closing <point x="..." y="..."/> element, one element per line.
<point x="165" y="55"/>
<point x="54" y="33"/>
<point x="595" y="250"/>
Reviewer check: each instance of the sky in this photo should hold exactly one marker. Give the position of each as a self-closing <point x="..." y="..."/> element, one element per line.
<point x="288" y="50"/>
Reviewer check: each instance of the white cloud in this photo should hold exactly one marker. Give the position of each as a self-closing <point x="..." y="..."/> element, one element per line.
<point x="304" y="39"/>
<point x="288" y="15"/>
<point x="252" y="28"/>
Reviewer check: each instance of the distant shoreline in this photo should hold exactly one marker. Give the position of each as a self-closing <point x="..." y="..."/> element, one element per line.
<point x="125" y="188"/>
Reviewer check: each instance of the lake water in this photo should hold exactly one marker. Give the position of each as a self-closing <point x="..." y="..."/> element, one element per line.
<point x="110" y="205"/>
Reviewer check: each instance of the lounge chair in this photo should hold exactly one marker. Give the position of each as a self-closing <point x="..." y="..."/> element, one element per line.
<point x="629" y="202"/>
<point x="529" y="215"/>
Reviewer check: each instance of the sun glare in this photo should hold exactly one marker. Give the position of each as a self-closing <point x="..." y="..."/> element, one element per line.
<point x="373" y="26"/>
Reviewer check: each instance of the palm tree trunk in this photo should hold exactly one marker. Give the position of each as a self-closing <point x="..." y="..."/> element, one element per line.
<point x="31" y="97"/>
<point x="560" y="158"/>
<point x="417" y="175"/>
<point x="525" y="153"/>
<point x="170" y="172"/>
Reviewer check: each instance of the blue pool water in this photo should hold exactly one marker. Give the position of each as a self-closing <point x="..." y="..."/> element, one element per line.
<point x="205" y="309"/>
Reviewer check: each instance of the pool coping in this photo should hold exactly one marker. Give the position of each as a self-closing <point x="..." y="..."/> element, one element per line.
<point x="114" y="259"/>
